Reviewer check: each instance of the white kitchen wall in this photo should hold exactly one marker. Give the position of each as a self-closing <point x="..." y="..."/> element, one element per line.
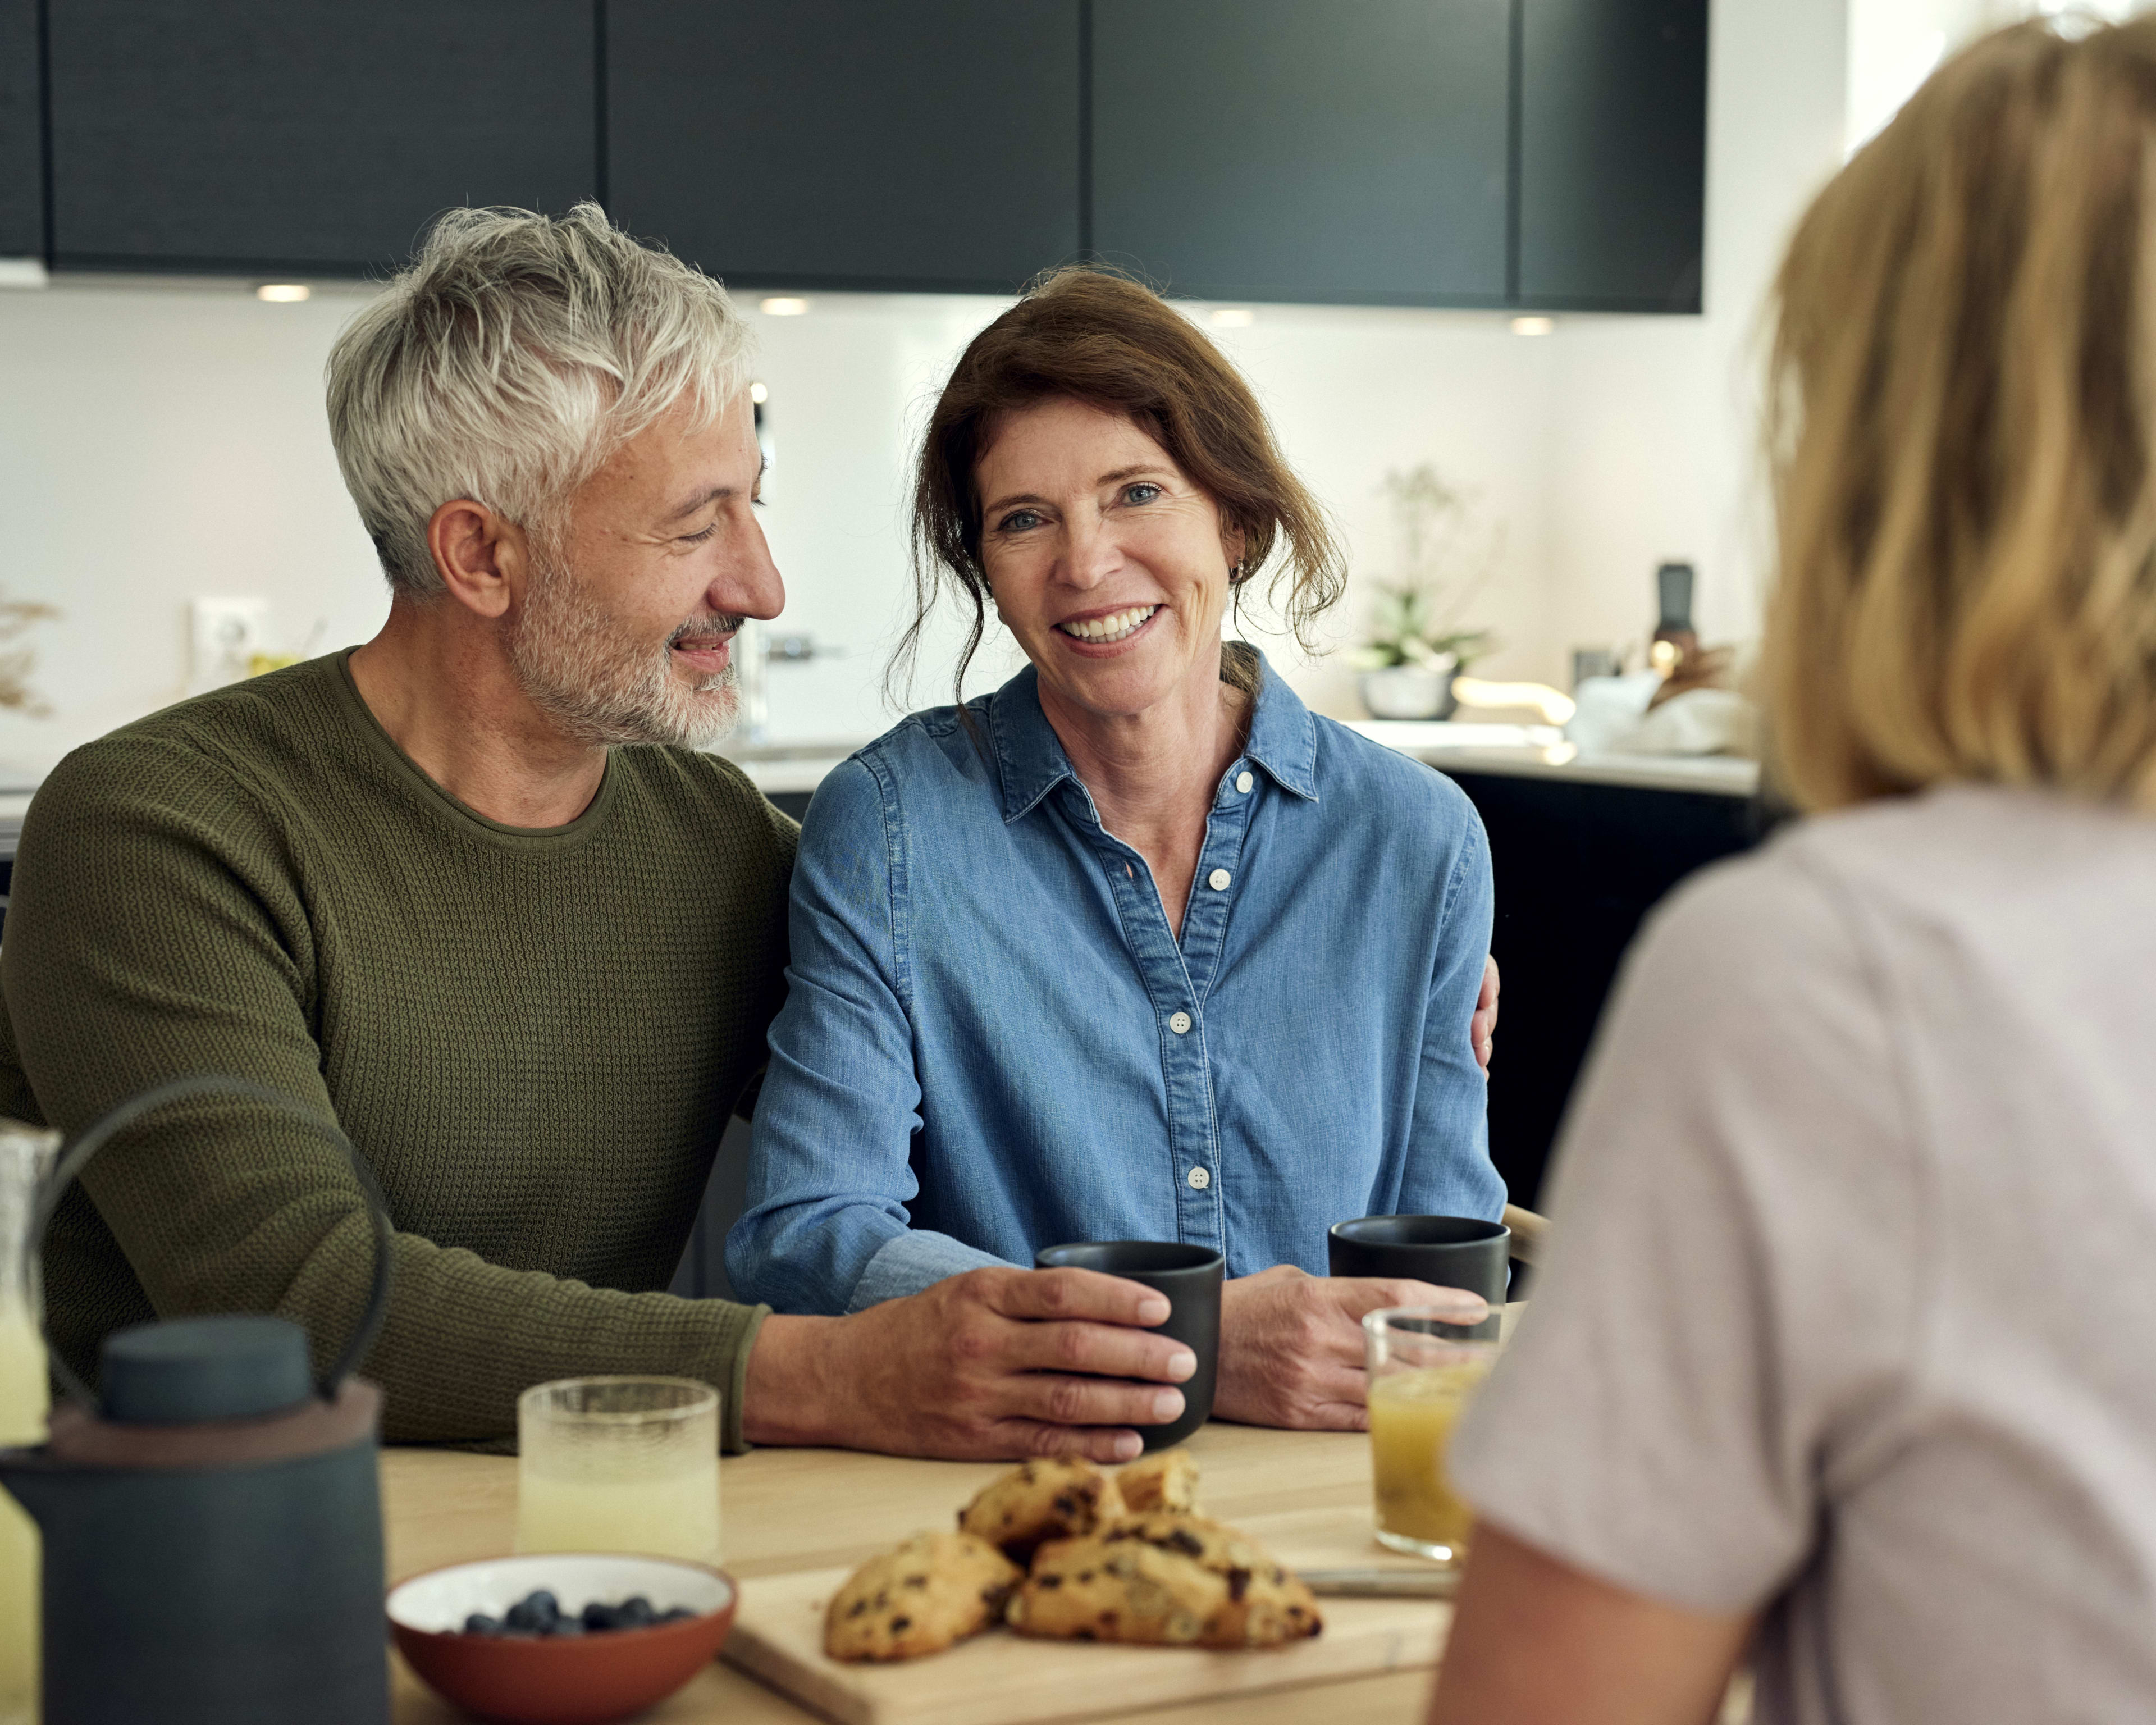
<point x="161" y="441"/>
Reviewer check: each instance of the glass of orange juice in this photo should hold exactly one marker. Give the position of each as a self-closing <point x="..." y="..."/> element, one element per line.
<point x="620" y="1464"/>
<point x="1424" y="1371"/>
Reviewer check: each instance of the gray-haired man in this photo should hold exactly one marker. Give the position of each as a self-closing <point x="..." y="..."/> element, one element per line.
<point x="471" y="889"/>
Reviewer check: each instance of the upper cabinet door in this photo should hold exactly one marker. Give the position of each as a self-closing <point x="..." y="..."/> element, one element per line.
<point x="825" y="143"/>
<point x="1613" y="153"/>
<point x="22" y="154"/>
<point x="258" y="134"/>
<point x="1348" y="153"/>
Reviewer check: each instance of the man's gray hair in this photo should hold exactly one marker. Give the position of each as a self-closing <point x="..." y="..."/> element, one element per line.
<point x="517" y="354"/>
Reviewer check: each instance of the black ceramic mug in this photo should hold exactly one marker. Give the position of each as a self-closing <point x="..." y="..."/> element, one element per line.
<point x="1448" y="1251"/>
<point x="1190" y="1277"/>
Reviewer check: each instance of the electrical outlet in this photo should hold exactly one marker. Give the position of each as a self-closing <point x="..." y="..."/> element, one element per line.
<point x="225" y="635"/>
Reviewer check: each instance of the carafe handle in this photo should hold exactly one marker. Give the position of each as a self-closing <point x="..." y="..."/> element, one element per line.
<point x="75" y="1155"/>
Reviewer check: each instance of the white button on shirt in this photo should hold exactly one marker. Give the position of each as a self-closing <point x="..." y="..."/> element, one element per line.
<point x="1218" y="879"/>
<point x="1180" y="1023"/>
<point x="1243" y="782"/>
<point x="1200" y="1179"/>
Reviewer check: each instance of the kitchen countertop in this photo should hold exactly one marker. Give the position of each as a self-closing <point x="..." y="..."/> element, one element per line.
<point x="1520" y="751"/>
<point x="14" y="806"/>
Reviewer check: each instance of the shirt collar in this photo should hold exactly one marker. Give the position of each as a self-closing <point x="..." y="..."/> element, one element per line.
<point x="1031" y="762"/>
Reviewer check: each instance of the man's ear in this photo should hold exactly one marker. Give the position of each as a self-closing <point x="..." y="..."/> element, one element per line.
<point x="482" y="557"/>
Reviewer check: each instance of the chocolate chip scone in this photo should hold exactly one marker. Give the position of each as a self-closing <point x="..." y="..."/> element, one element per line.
<point x="1042" y="1501"/>
<point x="1164" y="1578"/>
<point x="1166" y="1479"/>
<point x="935" y="1589"/>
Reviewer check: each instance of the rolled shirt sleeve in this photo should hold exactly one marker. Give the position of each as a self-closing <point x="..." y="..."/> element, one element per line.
<point x="825" y="1227"/>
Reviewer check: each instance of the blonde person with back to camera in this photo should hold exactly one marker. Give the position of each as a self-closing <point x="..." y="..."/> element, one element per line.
<point x="1842" y="1352"/>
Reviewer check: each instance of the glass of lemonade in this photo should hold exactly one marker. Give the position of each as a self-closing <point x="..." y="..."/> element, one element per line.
<point x="619" y="1464"/>
<point x="25" y="1155"/>
<point x="1424" y="1371"/>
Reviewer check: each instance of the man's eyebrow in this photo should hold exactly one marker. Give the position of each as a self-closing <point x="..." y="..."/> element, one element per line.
<point x="702" y="500"/>
<point x="1105" y="478"/>
<point x="716" y="494"/>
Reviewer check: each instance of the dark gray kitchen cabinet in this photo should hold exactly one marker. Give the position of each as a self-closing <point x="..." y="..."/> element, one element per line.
<point x="269" y="135"/>
<point x="1342" y="153"/>
<point x="1612" y="154"/>
<point x="22" y="157"/>
<point x="829" y="143"/>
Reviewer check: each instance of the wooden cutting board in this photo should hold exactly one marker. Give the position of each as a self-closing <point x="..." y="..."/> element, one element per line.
<point x="1002" y="1679"/>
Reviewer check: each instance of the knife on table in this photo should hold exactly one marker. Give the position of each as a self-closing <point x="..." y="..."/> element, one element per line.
<point x="1370" y="1581"/>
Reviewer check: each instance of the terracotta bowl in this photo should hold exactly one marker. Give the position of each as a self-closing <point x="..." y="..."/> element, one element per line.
<point x="582" y="1680"/>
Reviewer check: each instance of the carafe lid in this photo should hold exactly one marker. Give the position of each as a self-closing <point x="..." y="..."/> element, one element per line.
<point x="189" y="1369"/>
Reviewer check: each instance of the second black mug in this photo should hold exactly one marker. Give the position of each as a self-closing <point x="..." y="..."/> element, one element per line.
<point x="1448" y="1251"/>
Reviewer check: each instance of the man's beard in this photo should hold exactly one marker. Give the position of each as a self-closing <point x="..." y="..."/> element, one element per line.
<point x="603" y="686"/>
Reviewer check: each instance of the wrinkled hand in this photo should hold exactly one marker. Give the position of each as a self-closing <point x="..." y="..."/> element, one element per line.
<point x="1482" y="1028"/>
<point x="1291" y="1344"/>
<point x="980" y="1366"/>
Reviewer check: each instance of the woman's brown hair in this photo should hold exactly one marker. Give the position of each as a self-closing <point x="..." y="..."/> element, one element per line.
<point x="1963" y="422"/>
<point x="1087" y="335"/>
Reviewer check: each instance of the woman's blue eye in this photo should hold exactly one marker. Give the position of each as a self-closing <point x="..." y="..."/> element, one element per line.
<point x="1131" y="492"/>
<point x="1018" y="521"/>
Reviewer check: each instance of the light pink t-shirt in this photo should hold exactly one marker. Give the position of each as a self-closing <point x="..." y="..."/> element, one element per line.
<point x="1851" y="1312"/>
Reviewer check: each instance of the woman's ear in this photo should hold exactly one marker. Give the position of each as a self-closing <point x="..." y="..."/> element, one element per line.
<point x="1234" y="544"/>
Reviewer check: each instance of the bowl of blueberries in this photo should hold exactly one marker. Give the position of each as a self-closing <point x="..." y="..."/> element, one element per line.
<point x="562" y="1638"/>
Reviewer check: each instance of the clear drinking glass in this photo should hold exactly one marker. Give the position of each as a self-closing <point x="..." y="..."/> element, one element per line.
<point x="1424" y="1371"/>
<point x="25" y="1154"/>
<point x="619" y="1464"/>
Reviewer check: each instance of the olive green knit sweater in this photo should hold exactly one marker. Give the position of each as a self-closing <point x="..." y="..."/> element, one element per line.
<point x="534" y="1038"/>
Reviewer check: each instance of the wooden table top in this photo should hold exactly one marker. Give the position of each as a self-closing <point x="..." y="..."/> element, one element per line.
<point x="785" y="1510"/>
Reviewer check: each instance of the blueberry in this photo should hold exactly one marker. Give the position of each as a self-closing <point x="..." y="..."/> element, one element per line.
<point x="635" y="1612"/>
<point x="598" y="1616"/>
<point x="479" y="1623"/>
<point x="564" y="1626"/>
<point x="533" y="1612"/>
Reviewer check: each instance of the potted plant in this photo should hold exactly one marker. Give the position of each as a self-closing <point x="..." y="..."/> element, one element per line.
<point x="1416" y="646"/>
<point x="18" y="616"/>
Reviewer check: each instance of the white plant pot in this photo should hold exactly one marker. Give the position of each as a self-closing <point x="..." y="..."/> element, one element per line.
<point x="1407" y="692"/>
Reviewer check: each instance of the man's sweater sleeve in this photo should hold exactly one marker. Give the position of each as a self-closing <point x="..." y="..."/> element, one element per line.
<point x="155" y="931"/>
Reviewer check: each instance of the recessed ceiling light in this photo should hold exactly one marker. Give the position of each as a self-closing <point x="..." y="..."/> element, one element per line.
<point x="782" y="306"/>
<point x="1534" y="325"/>
<point x="758" y="394"/>
<point x="1233" y="318"/>
<point x="284" y="293"/>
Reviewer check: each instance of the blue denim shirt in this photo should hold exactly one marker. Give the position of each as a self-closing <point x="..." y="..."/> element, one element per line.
<point x="992" y="1041"/>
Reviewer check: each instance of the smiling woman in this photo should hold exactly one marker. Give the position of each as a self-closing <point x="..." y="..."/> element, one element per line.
<point x="1094" y="957"/>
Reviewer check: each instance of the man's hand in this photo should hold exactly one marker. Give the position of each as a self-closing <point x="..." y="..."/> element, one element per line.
<point x="1482" y="1028"/>
<point x="981" y="1366"/>
<point x="1291" y="1344"/>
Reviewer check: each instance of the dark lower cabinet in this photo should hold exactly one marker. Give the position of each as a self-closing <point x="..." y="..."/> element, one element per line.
<point x="254" y="135"/>
<point x="828" y="143"/>
<point x="1578" y="868"/>
<point x="1612" y="154"/>
<point x="1282" y="150"/>
<point x="22" y="157"/>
